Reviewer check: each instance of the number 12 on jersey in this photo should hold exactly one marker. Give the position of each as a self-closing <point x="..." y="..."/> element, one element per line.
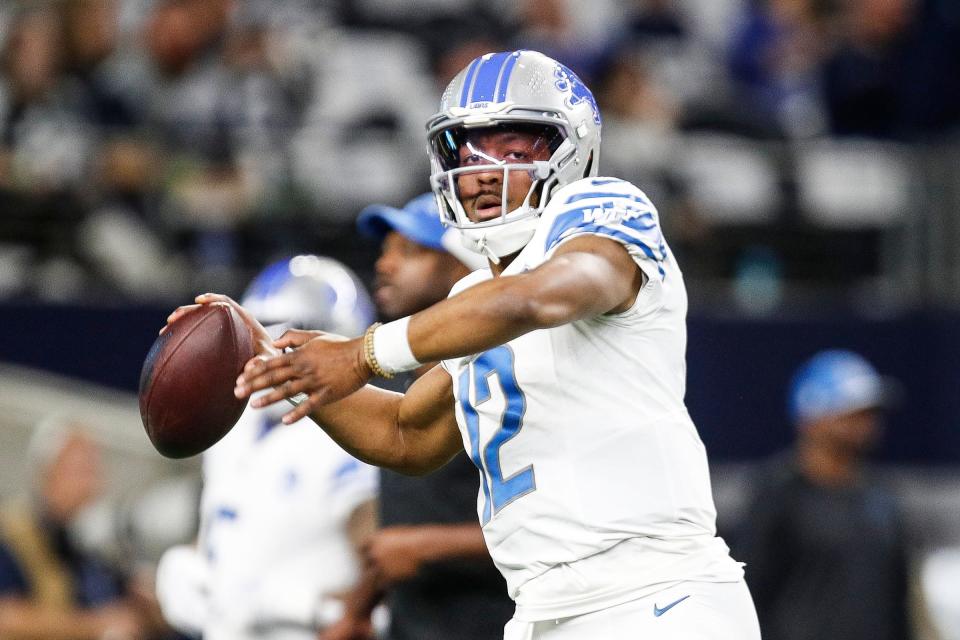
<point x="498" y="491"/>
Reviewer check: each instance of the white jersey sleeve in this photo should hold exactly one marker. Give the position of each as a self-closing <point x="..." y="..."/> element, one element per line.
<point x="611" y="208"/>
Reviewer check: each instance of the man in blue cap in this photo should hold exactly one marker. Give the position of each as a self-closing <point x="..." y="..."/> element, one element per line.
<point x="824" y="545"/>
<point x="420" y="259"/>
<point x="429" y="557"/>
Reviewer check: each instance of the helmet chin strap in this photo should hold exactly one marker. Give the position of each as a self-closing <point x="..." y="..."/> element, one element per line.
<point x="484" y="249"/>
<point x="496" y="242"/>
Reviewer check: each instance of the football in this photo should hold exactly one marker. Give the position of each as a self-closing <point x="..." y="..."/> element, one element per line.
<point x="186" y="384"/>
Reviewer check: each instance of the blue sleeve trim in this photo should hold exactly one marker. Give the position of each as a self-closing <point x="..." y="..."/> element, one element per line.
<point x="633" y="230"/>
<point x="601" y="194"/>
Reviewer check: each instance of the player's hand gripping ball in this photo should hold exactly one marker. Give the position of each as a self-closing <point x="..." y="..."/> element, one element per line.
<point x="186" y="384"/>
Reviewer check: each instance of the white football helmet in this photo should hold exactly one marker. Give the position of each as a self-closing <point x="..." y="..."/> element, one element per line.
<point x="523" y="91"/>
<point x="309" y="292"/>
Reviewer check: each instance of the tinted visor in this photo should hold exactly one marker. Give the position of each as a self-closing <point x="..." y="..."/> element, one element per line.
<point x="507" y="142"/>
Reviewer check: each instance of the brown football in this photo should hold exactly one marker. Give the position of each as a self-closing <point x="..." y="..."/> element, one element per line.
<point x="186" y="384"/>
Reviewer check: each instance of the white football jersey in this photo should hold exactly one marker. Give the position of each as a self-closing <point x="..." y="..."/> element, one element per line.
<point x="594" y="482"/>
<point x="274" y="510"/>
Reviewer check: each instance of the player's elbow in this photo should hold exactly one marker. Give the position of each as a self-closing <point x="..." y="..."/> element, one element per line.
<point x="535" y="310"/>
<point x="399" y="461"/>
<point x="412" y="465"/>
<point x="415" y="456"/>
<point x="546" y="311"/>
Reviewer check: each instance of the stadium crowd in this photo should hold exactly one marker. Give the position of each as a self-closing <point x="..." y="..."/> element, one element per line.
<point x="146" y="143"/>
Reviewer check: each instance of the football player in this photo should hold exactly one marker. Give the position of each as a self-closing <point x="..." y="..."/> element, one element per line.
<point x="283" y="509"/>
<point x="562" y="373"/>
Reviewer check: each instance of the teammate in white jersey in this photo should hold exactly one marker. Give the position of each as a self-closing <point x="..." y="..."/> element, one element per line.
<point x="562" y="373"/>
<point x="283" y="507"/>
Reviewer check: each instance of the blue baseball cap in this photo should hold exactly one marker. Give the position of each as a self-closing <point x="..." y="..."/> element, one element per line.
<point x="834" y="382"/>
<point x="418" y="220"/>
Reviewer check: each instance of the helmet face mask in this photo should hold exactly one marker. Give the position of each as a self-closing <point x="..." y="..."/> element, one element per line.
<point x="520" y="94"/>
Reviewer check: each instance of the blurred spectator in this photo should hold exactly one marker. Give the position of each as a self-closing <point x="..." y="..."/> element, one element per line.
<point x="454" y="42"/>
<point x="284" y="509"/>
<point x="430" y="556"/>
<point x="895" y="72"/>
<point x="362" y="138"/>
<point x="188" y="111"/>
<point x="548" y="26"/>
<point x="89" y="32"/>
<point x="824" y="544"/>
<point x="43" y="147"/>
<point x="774" y="62"/>
<point x="51" y="588"/>
<point x="630" y="92"/>
<point x="641" y="115"/>
<point x="656" y="20"/>
<point x="200" y="110"/>
<point x="119" y="238"/>
<point x="145" y="145"/>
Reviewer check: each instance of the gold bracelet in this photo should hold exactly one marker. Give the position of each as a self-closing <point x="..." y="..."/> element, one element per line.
<point x="370" y="356"/>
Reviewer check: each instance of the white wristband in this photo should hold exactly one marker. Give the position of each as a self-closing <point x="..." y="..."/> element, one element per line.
<point x="391" y="347"/>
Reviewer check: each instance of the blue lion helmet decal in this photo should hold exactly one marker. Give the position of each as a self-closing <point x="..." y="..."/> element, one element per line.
<point x="566" y="80"/>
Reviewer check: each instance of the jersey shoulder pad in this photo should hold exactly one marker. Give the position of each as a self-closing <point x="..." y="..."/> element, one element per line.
<point x="608" y="207"/>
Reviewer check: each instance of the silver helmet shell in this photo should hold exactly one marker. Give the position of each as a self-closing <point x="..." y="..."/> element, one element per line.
<point x="514" y="88"/>
<point x="309" y="292"/>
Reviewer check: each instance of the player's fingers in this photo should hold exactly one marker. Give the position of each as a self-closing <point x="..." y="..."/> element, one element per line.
<point x="267" y="399"/>
<point x="251" y="370"/>
<point x="302" y="410"/>
<point x="251" y="365"/>
<point x="178" y="313"/>
<point x="282" y="391"/>
<point x="251" y="382"/>
<point x="261" y="363"/>
<point x="207" y="298"/>
<point x="293" y="338"/>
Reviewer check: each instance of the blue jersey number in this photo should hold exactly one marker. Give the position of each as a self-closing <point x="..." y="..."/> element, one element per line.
<point x="498" y="491"/>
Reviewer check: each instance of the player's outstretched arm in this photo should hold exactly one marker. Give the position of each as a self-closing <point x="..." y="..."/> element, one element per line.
<point x="587" y="276"/>
<point x="412" y="433"/>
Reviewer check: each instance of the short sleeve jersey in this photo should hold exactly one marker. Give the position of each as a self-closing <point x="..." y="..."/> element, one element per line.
<point x="580" y="432"/>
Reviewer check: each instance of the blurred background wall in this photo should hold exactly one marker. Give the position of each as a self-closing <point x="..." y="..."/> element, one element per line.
<point x="803" y="155"/>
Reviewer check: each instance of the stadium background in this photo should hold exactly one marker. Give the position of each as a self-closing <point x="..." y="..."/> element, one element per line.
<point x="803" y="155"/>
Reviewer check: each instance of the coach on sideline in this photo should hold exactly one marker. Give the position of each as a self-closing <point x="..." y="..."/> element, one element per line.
<point x="824" y="543"/>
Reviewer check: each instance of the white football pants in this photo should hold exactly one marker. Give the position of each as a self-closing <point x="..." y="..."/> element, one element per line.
<point x="687" y="611"/>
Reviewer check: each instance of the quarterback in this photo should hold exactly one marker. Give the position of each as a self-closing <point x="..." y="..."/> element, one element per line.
<point x="562" y="373"/>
